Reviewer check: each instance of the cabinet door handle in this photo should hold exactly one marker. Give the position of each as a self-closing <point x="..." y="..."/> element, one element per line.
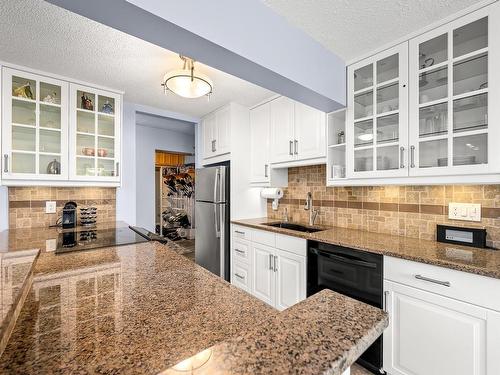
<point x="412" y="156"/>
<point x="444" y="283"/>
<point x="239" y="232"/>
<point x="271" y="262"/>
<point x="117" y="169"/>
<point x="215" y="145"/>
<point x="6" y="163"/>
<point x="290" y="148"/>
<point x="386" y="295"/>
<point x="239" y="276"/>
<point x="265" y="171"/>
<point x="275" y="263"/>
<point x="401" y="157"/>
<point x="239" y="251"/>
<point x="296" y="147"/>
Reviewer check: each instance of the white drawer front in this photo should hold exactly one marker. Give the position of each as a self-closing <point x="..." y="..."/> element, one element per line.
<point x="244" y="233"/>
<point x="264" y="237"/>
<point x="460" y="285"/>
<point x="240" y="276"/>
<point x="241" y="251"/>
<point x="292" y="244"/>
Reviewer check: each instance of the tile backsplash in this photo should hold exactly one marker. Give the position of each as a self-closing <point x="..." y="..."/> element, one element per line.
<point x="411" y="211"/>
<point x="27" y="204"/>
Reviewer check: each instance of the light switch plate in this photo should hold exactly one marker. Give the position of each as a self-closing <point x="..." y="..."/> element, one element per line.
<point x="464" y="211"/>
<point x="50" y="207"/>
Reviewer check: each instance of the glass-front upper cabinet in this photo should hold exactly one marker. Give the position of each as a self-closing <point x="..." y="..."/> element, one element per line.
<point x="34" y="127"/>
<point x="453" y="85"/>
<point x="95" y="134"/>
<point x="377" y="116"/>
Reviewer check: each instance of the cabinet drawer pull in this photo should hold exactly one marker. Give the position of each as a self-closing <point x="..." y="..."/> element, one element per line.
<point x="239" y="276"/>
<point x="290" y="148"/>
<point x="215" y="145"/>
<point x="239" y="251"/>
<point x="444" y="283"/>
<point x="6" y="163"/>
<point x="401" y="157"/>
<point x="412" y="156"/>
<point x="271" y="262"/>
<point x="275" y="263"/>
<point x="265" y="171"/>
<point x="296" y="147"/>
<point x="117" y="169"/>
<point x="239" y="232"/>
<point x="386" y="295"/>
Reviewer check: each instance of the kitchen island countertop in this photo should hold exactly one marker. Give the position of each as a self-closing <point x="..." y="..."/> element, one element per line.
<point x="145" y="309"/>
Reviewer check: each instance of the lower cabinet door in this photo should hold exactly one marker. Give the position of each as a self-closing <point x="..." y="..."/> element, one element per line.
<point x="290" y="279"/>
<point x="263" y="275"/>
<point x="430" y="334"/>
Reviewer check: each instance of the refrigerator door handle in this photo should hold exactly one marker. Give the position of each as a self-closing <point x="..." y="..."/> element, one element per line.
<point x="217" y="220"/>
<point x="222" y="235"/>
<point x="216" y="185"/>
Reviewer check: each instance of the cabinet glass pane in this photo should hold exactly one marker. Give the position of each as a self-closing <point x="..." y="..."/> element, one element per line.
<point x="23" y="113"/>
<point x="363" y="133"/>
<point x="470" y="75"/>
<point x="388" y="98"/>
<point x="363" y="160"/>
<point x="471" y="37"/>
<point x="50" y="116"/>
<point x="433" y="51"/>
<point x="23" y="163"/>
<point x="388" y="129"/>
<point x="106" y="147"/>
<point x="106" y="105"/>
<point x="363" y="77"/>
<point x="85" y="166"/>
<point x="50" y="164"/>
<point x="433" y="85"/>
<point x="23" y="88"/>
<point x="470" y="113"/>
<point x="388" y="68"/>
<point x="433" y="120"/>
<point x="50" y="93"/>
<point x="23" y="139"/>
<point x="85" y="122"/>
<point x="85" y="100"/>
<point x="50" y="141"/>
<point x="363" y="105"/>
<point x="433" y="153"/>
<point x="387" y="158"/>
<point x="106" y="125"/>
<point x="472" y="149"/>
<point x="105" y="167"/>
<point x="85" y="145"/>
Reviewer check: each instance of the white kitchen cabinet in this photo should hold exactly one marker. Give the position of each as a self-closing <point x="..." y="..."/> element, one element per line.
<point x="34" y="127"/>
<point x="290" y="279"/>
<point x="454" y="81"/>
<point x="270" y="266"/>
<point x="441" y="321"/>
<point x="297" y="132"/>
<point x="216" y="130"/>
<point x="263" y="273"/>
<point x="95" y="120"/>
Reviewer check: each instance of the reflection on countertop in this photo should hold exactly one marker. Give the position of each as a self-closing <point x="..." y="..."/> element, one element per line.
<point x="485" y="262"/>
<point x="143" y="308"/>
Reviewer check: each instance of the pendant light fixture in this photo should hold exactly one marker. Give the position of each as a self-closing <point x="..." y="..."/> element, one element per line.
<point x="186" y="82"/>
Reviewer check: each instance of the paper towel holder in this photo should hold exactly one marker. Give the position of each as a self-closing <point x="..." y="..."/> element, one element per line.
<point x="272" y="193"/>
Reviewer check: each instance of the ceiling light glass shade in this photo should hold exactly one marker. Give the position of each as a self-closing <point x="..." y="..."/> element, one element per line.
<point x="182" y="83"/>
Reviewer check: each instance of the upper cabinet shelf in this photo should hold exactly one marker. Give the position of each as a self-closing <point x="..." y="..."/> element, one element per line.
<point x="58" y="133"/>
<point x="424" y="108"/>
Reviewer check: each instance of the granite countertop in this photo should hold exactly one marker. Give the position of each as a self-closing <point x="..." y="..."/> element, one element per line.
<point x="144" y="308"/>
<point x="485" y="262"/>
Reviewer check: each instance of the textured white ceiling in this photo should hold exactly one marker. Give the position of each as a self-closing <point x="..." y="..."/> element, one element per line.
<point x="42" y="36"/>
<point x="352" y="28"/>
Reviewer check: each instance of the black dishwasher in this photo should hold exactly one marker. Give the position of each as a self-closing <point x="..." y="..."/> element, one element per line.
<point x="354" y="273"/>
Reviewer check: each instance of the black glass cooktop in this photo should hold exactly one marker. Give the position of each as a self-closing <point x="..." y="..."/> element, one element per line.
<point x="86" y="239"/>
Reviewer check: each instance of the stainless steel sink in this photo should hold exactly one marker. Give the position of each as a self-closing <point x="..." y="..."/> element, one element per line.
<point x="296" y="227"/>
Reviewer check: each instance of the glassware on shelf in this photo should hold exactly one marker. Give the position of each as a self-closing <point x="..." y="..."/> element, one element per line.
<point x="387" y="158"/>
<point x="388" y="128"/>
<point x="363" y="160"/>
<point x="433" y="120"/>
<point x="363" y="105"/>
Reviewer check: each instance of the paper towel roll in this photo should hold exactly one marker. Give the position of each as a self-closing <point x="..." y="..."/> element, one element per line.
<point x="272" y="193"/>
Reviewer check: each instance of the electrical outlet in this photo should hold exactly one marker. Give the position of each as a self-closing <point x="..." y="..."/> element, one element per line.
<point x="464" y="211"/>
<point x="50" y="207"/>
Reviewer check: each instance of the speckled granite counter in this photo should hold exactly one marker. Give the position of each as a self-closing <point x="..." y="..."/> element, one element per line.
<point x="484" y="262"/>
<point x="143" y="308"/>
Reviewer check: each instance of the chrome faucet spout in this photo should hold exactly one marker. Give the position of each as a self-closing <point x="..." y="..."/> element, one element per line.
<point x="309" y="206"/>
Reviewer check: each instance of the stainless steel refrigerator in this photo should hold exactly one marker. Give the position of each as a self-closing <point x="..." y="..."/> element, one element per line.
<point x="212" y="219"/>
